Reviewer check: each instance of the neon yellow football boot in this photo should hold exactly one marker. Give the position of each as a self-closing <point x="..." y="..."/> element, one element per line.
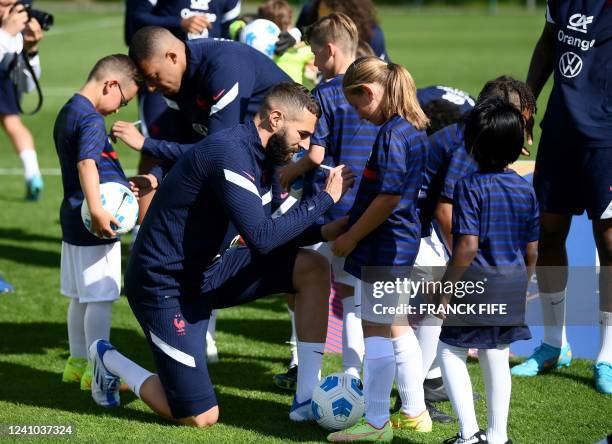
<point x="421" y="423"/>
<point x="74" y="369"/>
<point x="363" y="431"/>
<point x="86" y="378"/>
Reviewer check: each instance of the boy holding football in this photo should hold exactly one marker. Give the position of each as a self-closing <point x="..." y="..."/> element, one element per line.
<point x="90" y="263"/>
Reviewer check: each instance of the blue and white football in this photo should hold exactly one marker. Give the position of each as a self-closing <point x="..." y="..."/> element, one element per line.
<point x="337" y="402"/>
<point x="262" y="35"/>
<point x="119" y="201"/>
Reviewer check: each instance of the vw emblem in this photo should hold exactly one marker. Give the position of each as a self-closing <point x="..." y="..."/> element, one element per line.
<point x="570" y="64"/>
<point x="200" y="129"/>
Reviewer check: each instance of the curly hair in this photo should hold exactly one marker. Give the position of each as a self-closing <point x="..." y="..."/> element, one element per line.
<point x="362" y="12"/>
<point x="512" y="91"/>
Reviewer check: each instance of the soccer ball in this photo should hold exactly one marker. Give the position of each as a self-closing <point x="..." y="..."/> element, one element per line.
<point x="262" y="35"/>
<point x="337" y="402"/>
<point x="119" y="201"/>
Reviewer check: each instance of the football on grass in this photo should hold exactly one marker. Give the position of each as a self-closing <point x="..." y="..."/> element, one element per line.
<point x="337" y="402"/>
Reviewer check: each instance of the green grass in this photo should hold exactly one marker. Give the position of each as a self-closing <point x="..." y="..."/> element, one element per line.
<point x="438" y="46"/>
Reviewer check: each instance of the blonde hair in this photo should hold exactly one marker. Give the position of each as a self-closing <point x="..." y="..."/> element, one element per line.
<point x="336" y="28"/>
<point x="400" y="95"/>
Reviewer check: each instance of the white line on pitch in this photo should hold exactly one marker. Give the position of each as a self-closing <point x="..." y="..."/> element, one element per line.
<point x="47" y="172"/>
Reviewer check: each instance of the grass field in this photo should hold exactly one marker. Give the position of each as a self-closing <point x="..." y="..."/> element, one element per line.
<point x="438" y="46"/>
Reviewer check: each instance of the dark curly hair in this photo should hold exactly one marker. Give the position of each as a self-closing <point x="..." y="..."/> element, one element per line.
<point x="511" y="90"/>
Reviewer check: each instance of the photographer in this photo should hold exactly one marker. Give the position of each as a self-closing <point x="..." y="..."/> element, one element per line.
<point x="19" y="36"/>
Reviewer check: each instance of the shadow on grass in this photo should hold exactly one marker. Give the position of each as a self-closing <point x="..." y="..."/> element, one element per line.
<point x="269" y="418"/>
<point x="243" y="372"/>
<point x="19" y="234"/>
<point x="37" y="337"/>
<point x="42" y="388"/>
<point x="30" y="256"/>
<point x="275" y="303"/>
<point x="580" y="379"/>
<point x="238" y="372"/>
<point x="272" y="331"/>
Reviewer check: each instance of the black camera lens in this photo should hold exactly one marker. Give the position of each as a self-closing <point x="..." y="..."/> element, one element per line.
<point x="44" y="18"/>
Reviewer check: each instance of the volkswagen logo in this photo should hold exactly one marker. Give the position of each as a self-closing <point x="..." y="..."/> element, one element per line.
<point x="200" y="129"/>
<point x="570" y="64"/>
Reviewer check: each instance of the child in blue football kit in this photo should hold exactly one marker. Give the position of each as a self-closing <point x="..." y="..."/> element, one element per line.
<point x="90" y="265"/>
<point x="384" y="230"/>
<point x="341" y="137"/>
<point x="495" y="233"/>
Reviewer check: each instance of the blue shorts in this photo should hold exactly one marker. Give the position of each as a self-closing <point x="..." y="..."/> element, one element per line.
<point x="9" y="102"/>
<point x="177" y="331"/>
<point x="569" y="178"/>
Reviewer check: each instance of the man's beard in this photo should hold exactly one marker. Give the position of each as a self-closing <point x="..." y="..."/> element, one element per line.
<point x="279" y="151"/>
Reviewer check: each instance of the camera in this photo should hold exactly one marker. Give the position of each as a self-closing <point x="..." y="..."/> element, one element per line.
<point x="45" y="19"/>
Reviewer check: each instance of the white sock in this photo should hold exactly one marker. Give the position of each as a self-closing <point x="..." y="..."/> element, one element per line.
<point x="76" y="329"/>
<point x="30" y="163"/>
<point x="212" y="325"/>
<point x="293" y="340"/>
<point x="133" y="374"/>
<point x="428" y="335"/>
<point x="352" y="338"/>
<point x="309" y="371"/>
<point x="378" y="373"/>
<point x="409" y="365"/>
<point x="435" y="372"/>
<point x="458" y="387"/>
<point x="605" y="353"/>
<point x="498" y="384"/>
<point x="553" y="314"/>
<point x="98" y="321"/>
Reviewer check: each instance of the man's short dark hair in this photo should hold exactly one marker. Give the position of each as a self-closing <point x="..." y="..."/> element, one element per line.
<point x="494" y="134"/>
<point x="290" y="97"/>
<point x="441" y="113"/>
<point x="118" y="64"/>
<point x="145" y="43"/>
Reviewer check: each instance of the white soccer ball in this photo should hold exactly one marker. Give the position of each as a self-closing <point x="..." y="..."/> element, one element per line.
<point x="337" y="402"/>
<point x="119" y="201"/>
<point x="262" y="35"/>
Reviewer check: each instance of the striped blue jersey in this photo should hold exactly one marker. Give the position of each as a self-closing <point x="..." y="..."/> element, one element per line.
<point x="395" y="167"/>
<point x="442" y="145"/>
<point x="169" y="14"/>
<point x="223" y="179"/>
<point x="225" y="84"/>
<point x="79" y="133"/>
<point x="502" y="210"/>
<point x="453" y="95"/>
<point x="347" y="140"/>
<point x="461" y="164"/>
